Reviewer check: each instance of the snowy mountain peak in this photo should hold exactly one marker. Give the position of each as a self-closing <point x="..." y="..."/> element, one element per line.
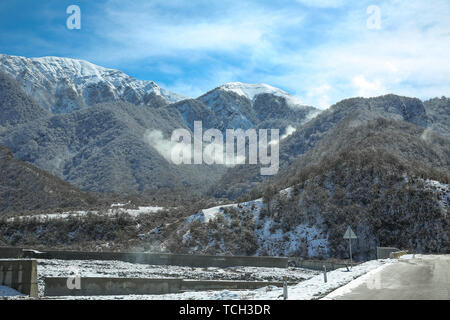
<point x="250" y="91"/>
<point x="81" y="68"/>
<point x="62" y="85"/>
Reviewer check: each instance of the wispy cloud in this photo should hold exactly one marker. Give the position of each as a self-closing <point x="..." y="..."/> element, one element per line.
<point x="322" y="3"/>
<point x="407" y="56"/>
<point x="171" y="29"/>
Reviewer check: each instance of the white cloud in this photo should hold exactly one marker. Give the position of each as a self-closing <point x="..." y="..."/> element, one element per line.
<point x="289" y="130"/>
<point x="155" y="138"/>
<point x="320" y="95"/>
<point x="149" y="30"/>
<point x="322" y="3"/>
<point x="212" y="152"/>
<point x="368" y="88"/>
<point x="408" y="56"/>
<point x="278" y="46"/>
<point x="187" y="88"/>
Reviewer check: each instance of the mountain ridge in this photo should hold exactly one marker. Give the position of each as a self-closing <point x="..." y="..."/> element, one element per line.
<point x="305" y="138"/>
<point x="62" y="85"/>
<point x="24" y="187"/>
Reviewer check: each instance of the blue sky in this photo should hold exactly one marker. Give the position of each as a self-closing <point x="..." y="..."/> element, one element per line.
<point x="321" y="51"/>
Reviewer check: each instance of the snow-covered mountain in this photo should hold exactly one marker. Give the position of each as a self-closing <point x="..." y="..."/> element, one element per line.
<point x="62" y="85"/>
<point x="62" y="100"/>
<point x="240" y="105"/>
<point x="250" y="91"/>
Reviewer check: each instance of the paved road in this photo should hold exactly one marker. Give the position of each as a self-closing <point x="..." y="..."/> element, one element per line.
<point x="424" y="277"/>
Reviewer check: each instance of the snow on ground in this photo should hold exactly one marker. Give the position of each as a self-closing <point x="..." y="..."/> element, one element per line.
<point x="409" y="256"/>
<point x="442" y="189"/>
<point x="315" y="287"/>
<point x="97" y="268"/>
<point x="141" y="210"/>
<point x="9" y="292"/>
<point x="205" y="215"/>
<point x="110" y="268"/>
<point x="312" y="288"/>
<point x="115" y="208"/>
<point x="250" y="91"/>
<point x="277" y="242"/>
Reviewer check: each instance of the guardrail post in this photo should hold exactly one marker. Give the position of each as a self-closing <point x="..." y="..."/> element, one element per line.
<point x="285" y="289"/>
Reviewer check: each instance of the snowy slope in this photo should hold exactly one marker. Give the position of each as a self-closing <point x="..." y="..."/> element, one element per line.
<point x="62" y="85"/>
<point x="244" y="106"/>
<point x="278" y="233"/>
<point x="271" y="239"/>
<point x="110" y="212"/>
<point x="250" y="91"/>
<point x="443" y="191"/>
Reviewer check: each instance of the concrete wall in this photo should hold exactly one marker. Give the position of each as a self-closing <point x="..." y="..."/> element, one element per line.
<point x="199" y="261"/>
<point x="384" y="252"/>
<point x="126" y="286"/>
<point x="20" y="275"/>
<point x="204" y="285"/>
<point x="317" y="264"/>
<point x="165" y="259"/>
<point x="10" y="252"/>
<point x="111" y="286"/>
